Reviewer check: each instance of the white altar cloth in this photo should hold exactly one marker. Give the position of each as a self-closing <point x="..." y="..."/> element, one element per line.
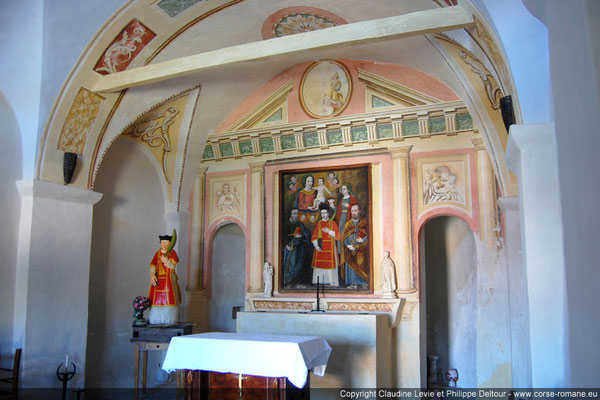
<point x="251" y="354"/>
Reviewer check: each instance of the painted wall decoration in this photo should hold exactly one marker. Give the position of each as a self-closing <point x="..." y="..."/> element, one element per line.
<point x="443" y="182"/>
<point x="439" y="185"/>
<point x="226" y="197"/>
<point x="300" y="22"/>
<point x="81" y="117"/>
<point x="325" y="229"/>
<point x="325" y="89"/>
<point x="123" y="50"/>
<point x="174" y="7"/>
<point x="159" y="130"/>
<point x="298" y="19"/>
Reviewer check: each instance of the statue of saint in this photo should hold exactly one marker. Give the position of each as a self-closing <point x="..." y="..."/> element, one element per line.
<point x="268" y="278"/>
<point x="388" y="276"/>
<point x="164" y="293"/>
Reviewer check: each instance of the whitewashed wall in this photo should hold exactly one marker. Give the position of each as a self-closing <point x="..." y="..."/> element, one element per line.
<point x="11" y="166"/>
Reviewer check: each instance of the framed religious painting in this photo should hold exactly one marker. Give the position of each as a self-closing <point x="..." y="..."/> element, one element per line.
<point x="326" y="229"/>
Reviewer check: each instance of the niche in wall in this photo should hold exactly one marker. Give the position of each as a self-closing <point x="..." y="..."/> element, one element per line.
<point x="228" y="276"/>
<point x="450" y="293"/>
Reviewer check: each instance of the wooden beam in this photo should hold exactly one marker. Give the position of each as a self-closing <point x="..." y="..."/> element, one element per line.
<point x="413" y="24"/>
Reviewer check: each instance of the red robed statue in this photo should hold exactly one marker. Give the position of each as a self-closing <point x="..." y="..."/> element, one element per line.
<point x="164" y="293"/>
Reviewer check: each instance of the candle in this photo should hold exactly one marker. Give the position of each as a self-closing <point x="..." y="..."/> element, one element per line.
<point x="67" y="362"/>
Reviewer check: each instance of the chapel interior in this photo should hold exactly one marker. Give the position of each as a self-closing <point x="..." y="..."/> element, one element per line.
<point x="465" y="130"/>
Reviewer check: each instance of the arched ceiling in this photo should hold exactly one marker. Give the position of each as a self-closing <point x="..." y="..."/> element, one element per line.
<point x="88" y="123"/>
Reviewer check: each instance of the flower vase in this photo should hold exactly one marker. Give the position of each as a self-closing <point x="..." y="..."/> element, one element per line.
<point x="138" y="318"/>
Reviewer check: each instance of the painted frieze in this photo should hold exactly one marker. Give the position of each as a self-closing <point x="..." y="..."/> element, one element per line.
<point x="81" y="117"/>
<point x="174" y="7"/>
<point x="283" y="305"/>
<point x="123" y="50"/>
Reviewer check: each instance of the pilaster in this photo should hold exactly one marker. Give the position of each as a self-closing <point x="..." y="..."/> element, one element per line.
<point x="257" y="223"/>
<point x="194" y="276"/>
<point x="488" y="215"/>
<point x="402" y="223"/>
<point x="52" y="282"/>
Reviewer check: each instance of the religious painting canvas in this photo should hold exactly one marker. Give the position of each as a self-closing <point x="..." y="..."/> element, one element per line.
<point x="325" y="229"/>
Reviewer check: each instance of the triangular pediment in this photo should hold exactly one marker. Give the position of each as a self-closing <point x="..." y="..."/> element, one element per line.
<point x="271" y="111"/>
<point x="382" y="94"/>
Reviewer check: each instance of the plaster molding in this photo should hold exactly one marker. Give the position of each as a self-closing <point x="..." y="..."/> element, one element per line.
<point x="509" y="203"/>
<point x="478" y="144"/>
<point x="43" y="189"/>
<point x="525" y="138"/>
<point x="264" y="108"/>
<point x="257" y="166"/>
<point x="401" y="152"/>
<point x="395" y="90"/>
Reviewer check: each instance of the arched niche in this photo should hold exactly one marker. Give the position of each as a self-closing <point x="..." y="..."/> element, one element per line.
<point x="227" y="276"/>
<point x="126" y="225"/>
<point x="448" y="257"/>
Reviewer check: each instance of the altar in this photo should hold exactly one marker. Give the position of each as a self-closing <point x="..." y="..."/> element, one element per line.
<point x="226" y="361"/>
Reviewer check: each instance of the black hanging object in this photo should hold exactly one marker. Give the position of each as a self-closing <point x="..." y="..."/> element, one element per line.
<point x="508" y="114"/>
<point x="69" y="164"/>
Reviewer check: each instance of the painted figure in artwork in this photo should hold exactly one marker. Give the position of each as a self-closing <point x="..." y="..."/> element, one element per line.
<point x="355" y="252"/>
<point x="440" y="185"/>
<point x="321" y="191"/>
<point x="332" y="180"/>
<point x="345" y="203"/>
<point x="325" y="257"/>
<point x="292" y="184"/>
<point x="297" y="248"/>
<point x="306" y="196"/>
<point x="227" y="200"/>
<point x="164" y="293"/>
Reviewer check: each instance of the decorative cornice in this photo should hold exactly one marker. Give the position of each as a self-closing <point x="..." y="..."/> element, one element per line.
<point x="400" y="152"/>
<point x="257" y="166"/>
<point x="48" y="190"/>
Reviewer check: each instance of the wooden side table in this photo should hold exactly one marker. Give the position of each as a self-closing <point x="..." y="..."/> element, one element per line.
<point x="154" y="337"/>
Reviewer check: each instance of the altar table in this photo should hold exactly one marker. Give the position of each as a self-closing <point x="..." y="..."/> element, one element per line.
<point x="273" y="356"/>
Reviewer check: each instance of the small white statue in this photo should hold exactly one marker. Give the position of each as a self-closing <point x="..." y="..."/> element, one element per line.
<point x="268" y="278"/>
<point x="388" y="277"/>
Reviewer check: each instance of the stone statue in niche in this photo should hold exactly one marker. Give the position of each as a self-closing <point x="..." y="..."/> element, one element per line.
<point x="439" y="185"/>
<point x="164" y="293"/>
<point x="268" y="278"/>
<point x="388" y="276"/>
<point x="228" y="200"/>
